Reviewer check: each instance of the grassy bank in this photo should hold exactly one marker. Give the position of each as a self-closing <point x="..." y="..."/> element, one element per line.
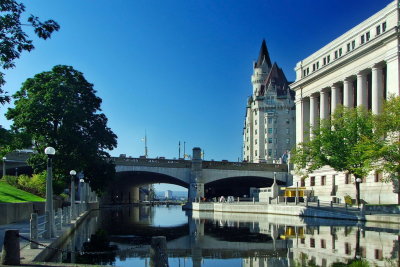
<point x="9" y="194"/>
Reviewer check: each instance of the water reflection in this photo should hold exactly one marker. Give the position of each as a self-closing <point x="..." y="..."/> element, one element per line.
<point x="210" y="239"/>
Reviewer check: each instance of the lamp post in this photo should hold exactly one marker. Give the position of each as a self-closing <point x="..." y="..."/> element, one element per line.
<point x="82" y="182"/>
<point x="4" y="166"/>
<point x="50" y="151"/>
<point x="358" y="181"/>
<point x="72" y="173"/>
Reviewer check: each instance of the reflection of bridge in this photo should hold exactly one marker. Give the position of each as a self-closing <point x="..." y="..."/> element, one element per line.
<point x="202" y="178"/>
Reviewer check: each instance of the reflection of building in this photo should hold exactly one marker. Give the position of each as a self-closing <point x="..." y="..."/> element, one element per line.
<point x="359" y="68"/>
<point x="327" y="245"/>
<point x="269" y="127"/>
<point x="168" y="194"/>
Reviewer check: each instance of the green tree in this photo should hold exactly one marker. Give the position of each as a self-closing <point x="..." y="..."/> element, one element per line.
<point x="13" y="40"/>
<point x="60" y="108"/>
<point x="11" y="140"/>
<point x="339" y="142"/>
<point x="388" y="156"/>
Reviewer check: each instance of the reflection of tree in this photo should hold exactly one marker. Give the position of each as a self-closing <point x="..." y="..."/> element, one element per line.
<point x="99" y="242"/>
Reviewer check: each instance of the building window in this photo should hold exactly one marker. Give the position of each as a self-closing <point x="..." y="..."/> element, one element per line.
<point x="304" y="73"/>
<point x="348" y="47"/>
<point x="317" y="64"/>
<point x="255" y="122"/>
<point x="255" y="141"/>
<point x="287" y="140"/>
<point x="347" y="248"/>
<point x="336" y="54"/>
<point x="269" y="120"/>
<point x="302" y="182"/>
<point x="323" y="180"/>
<point x="362" y="39"/>
<point x="276" y="141"/>
<point x="275" y="152"/>
<point x="378" y="29"/>
<point x="378" y="177"/>
<point x="255" y="112"/>
<point x="328" y="59"/>
<point x="312" y="243"/>
<point x="323" y="243"/>
<point x="324" y="263"/>
<point x="269" y="152"/>
<point x="308" y="71"/>
<point x="287" y="121"/>
<point x="255" y="131"/>
<point x="302" y="240"/>
<point x="247" y="148"/>
<point x="347" y="178"/>
<point x="340" y="52"/>
<point x="287" y="130"/>
<point x="367" y="36"/>
<point x="313" y="67"/>
<point x="378" y="254"/>
<point x="269" y="140"/>
<point x="256" y="153"/>
<point x="353" y="44"/>
<point x="312" y="181"/>
<point x="384" y="27"/>
<point x="270" y="130"/>
<point x="324" y="61"/>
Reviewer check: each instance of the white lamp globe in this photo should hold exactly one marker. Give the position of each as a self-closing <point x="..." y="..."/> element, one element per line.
<point x="81" y="180"/>
<point x="358" y="180"/>
<point x="50" y="151"/>
<point x="72" y="172"/>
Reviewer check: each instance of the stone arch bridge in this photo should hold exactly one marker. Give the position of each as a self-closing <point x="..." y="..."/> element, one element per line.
<point x="194" y="174"/>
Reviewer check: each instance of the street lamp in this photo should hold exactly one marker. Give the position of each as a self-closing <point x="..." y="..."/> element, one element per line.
<point x="358" y="181"/>
<point x="72" y="173"/>
<point x="4" y="166"/>
<point x="50" y="151"/>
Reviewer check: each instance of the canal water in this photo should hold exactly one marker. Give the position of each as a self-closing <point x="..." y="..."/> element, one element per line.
<point x="121" y="236"/>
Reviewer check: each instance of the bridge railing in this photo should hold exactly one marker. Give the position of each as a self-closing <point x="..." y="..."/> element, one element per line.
<point x="226" y="165"/>
<point x="171" y="163"/>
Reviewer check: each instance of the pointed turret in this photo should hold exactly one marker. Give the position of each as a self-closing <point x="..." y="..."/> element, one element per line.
<point x="263" y="56"/>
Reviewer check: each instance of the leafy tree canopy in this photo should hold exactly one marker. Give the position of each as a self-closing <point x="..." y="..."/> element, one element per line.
<point x="13" y="40"/>
<point x="338" y="142"/>
<point x="60" y="108"/>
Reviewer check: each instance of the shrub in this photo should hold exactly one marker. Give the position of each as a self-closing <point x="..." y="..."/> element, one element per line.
<point x="348" y="200"/>
<point x="11" y="180"/>
<point x="39" y="183"/>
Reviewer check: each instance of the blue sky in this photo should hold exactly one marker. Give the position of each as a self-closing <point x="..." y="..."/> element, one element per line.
<point x="180" y="69"/>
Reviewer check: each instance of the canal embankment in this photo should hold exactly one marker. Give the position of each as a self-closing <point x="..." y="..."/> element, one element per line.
<point x="301" y="209"/>
<point x="47" y="246"/>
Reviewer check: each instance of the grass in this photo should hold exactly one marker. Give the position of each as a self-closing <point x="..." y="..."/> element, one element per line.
<point x="10" y="194"/>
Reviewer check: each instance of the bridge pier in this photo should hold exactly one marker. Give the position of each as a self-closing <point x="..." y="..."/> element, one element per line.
<point x="196" y="188"/>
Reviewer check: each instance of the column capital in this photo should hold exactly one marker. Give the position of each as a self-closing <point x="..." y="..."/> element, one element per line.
<point x="313" y="96"/>
<point x="362" y="73"/>
<point x="348" y="79"/>
<point x="335" y="85"/>
<point x="377" y="66"/>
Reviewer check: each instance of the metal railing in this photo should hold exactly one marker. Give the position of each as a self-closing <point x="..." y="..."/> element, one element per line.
<point x="40" y="225"/>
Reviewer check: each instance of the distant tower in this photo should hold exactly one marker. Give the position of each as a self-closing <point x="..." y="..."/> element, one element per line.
<point x="269" y="127"/>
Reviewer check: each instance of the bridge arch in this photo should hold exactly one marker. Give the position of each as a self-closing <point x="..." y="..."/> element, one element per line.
<point x="237" y="186"/>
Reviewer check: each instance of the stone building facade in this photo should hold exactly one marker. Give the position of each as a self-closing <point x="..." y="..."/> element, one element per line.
<point x="359" y="68"/>
<point x="269" y="126"/>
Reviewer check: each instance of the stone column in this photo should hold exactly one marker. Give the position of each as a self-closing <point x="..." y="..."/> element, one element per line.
<point x="334" y="97"/>
<point x="324" y="105"/>
<point x="348" y="93"/>
<point x="362" y="97"/>
<point x="314" y="119"/>
<point x="393" y="74"/>
<point x="377" y="89"/>
<point x="306" y="118"/>
<point x="299" y="120"/>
